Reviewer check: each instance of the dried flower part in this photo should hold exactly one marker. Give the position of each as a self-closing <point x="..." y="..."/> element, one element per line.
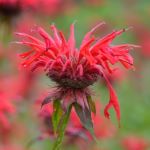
<point x="75" y="69"/>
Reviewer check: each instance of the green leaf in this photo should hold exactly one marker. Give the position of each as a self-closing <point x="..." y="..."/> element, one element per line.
<point x="61" y="129"/>
<point x="91" y="104"/>
<point x="57" y="114"/>
<point x="85" y="118"/>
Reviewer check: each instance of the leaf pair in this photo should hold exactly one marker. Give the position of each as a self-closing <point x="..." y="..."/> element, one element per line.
<point x="60" y="119"/>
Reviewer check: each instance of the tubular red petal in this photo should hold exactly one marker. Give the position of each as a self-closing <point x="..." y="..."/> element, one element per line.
<point x="35" y="46"/>
<point x="67" y="63"/>
<point x="87" y="36"/>
<point x="48" y="40"/>
<point x="71" y="40"/>
<point x="52" y="65"/>
<point x="33" y="39"/>
<point x="107" y="67"/>
<point x="64" y="45"/>
<point x="50" y="54"/>
<point x="112" y="102"/>
<point x="37" y="65"/>
<point x="34" y="57"/>
<point x="126" y="64"/>
<point x="107" y="39"/>
<point x="48" y="64"/>
<point x="56" y="36"/>
<point x="79" y="70"/>
<point x="87" y="44"/>
<point x="23" y="55"/>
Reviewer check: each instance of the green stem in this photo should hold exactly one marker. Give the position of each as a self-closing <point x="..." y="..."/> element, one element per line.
<point x="61" y="132"/>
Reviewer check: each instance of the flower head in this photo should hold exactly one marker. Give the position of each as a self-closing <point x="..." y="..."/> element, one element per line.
<point x="74" y="69"/>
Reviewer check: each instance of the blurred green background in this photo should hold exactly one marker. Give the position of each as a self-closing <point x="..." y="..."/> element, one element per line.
<point x="133" y="90"/>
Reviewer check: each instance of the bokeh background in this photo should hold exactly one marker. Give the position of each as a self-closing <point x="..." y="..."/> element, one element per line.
<point x="22" y="91"/>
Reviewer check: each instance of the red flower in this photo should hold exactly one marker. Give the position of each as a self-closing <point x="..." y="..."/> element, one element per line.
<point x="103" y="128"/>
<point x="75" y="69"/>
<point x="48" y="7"/>
<point x="6" y="108"/>
<point x="142" y="34"/>
<point x="14" y="7"/>
<point x="12" y="89"/>
<point x="135" y="143"/>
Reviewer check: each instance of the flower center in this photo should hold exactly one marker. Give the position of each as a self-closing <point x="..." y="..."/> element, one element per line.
<point x="75" y="83"/>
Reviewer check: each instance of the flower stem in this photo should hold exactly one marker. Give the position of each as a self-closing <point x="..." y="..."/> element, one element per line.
<point x="61" y="131"/>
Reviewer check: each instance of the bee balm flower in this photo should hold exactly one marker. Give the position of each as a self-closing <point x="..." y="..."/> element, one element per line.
<point x="75" y="69"/>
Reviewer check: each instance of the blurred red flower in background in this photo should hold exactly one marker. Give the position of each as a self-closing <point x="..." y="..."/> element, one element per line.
<point x="13" y="89"/>
<point x="48" y="7"/>
<point x="12" y="8"/>
<point x="103" y="128"/>
<point x="21" y="84"/>
<point x="135" y="143"/>
<point x="9" y="8"/>
<point x="117" y="77"/>
<point x="7" y="109"/>
<point x="142" y="34"/>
